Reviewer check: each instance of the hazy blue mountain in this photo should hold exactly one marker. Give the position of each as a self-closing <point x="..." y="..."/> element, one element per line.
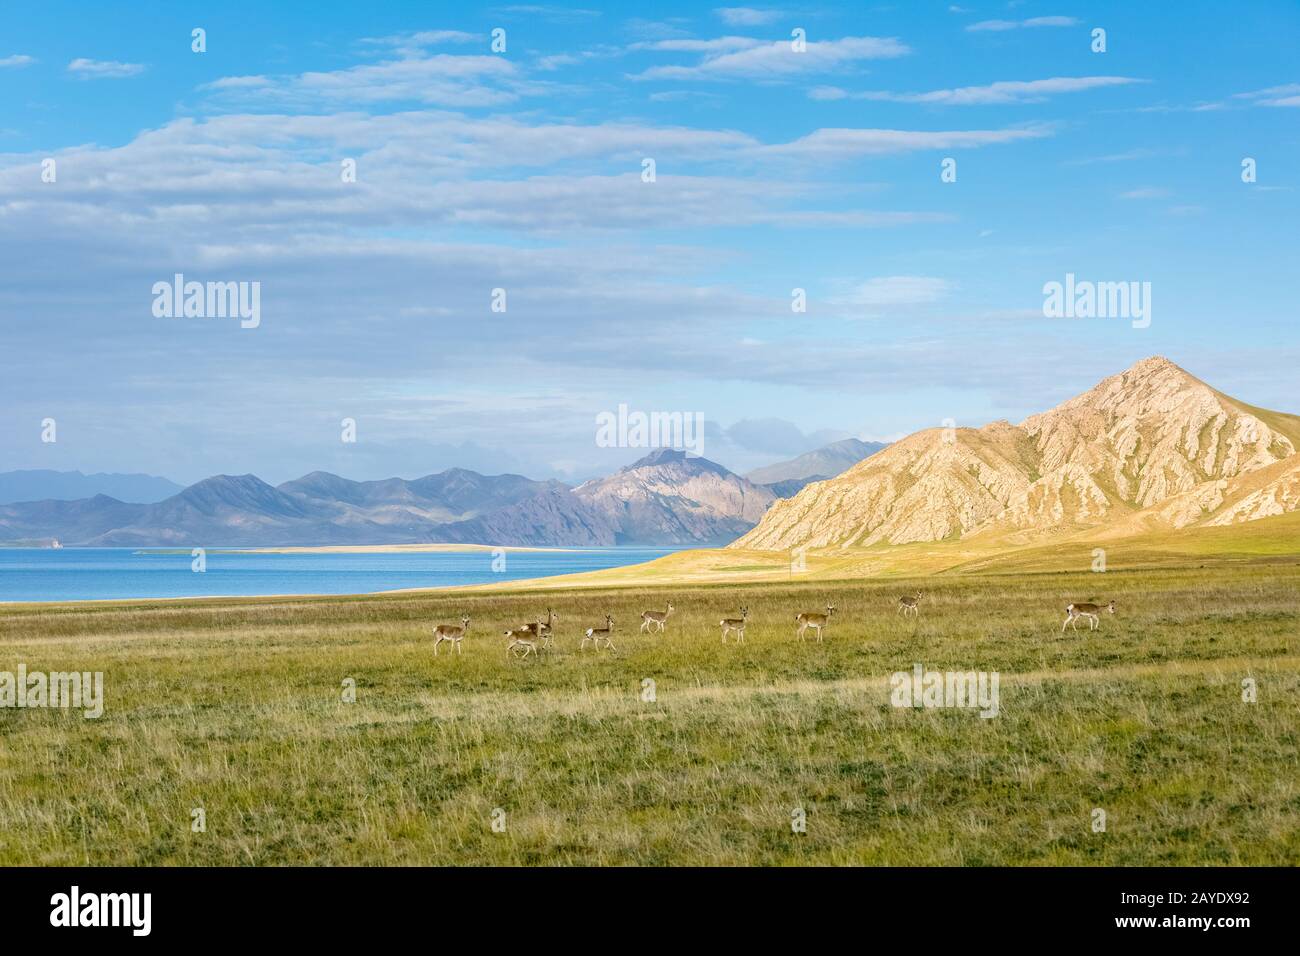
<point x="43" y="484"/>
<point x="665" y="498"/>
<point x="69" y="521"/>
<point x="816" y="465"/>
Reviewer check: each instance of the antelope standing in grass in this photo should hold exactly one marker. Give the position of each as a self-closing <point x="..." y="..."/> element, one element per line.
<point x="535" y="628"/>
<point x="598" y="634"/>
<point x="816" y="621"/>
<point x="735" y="625"/>
<point x="908" y="605"/>
<point x="525" y="639"/>
<point x="655" y="617"/>
<point x="1091" y="611"/>
<point x="450" y="632"/>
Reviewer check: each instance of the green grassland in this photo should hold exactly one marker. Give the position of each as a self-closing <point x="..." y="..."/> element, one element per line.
<point x="235" y="706"/>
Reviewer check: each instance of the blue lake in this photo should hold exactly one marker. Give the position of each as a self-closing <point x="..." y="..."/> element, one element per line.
<point x="72" y="574"/>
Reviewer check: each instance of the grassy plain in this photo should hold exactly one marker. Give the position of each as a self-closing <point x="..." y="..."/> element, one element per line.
<point x="235" y="706"/>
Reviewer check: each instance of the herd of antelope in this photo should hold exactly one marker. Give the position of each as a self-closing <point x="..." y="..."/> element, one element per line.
<point x="534" y="636"/>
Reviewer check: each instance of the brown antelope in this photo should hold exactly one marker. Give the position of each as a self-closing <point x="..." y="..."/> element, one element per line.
<point x="536" y="628"/>
<point x="908" y="605"/>
<point x="655" y="617"/>
<point x="816" y="621"/>
<point x="735" y="624"/>
<point x="598" y="634"/>
<point x="1091" y="611"/>
<point x="450" y="632"/>
<point x="524" y="638"/>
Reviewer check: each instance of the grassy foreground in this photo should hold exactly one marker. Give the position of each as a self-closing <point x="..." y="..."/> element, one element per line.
<point x="235" y="706"/>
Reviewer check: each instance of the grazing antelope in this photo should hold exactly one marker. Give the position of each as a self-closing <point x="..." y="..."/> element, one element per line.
<point x="908" y="605"/>
<point x="1091" y="611"/>
<point x="523" y="638"/>
<point x="598" y="634"/>
<point x="736" y="624"/>
<point x="450" y="632"/>
<point x="816" y="621"/>
<point x="656" y="617"/>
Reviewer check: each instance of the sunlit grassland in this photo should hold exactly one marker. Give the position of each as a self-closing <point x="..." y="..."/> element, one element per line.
<point x="236" y="706"/>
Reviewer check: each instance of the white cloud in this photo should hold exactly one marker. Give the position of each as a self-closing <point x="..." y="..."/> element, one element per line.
<point x="1003" y="91"/>
<point x="104" y="69"/>
<point x="1001" y="25"/>
<point x="746" y="16"/>
<point x="842" y="143"/>
<point x="1146" y="192"/>
<point x="550" y="13"/>
<point x="717" y="45"/>
<point x="423" y="38"/>
<point x="16" y="61"/>
<point x="443" y="79"/>
<point x="1286" y="95"/>
<point x="827" y="93"/>
<point x="897" y="292"/>
<point x="779" y="59"/>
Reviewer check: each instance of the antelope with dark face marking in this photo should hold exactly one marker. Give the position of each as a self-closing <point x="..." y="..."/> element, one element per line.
<point x="817" y="622"/>
<point x="652" y="618"/>
<point x="735" y="625"/>
<point x="908" y="605"/>
<point x="450" y="632"/>
<point x="598" y="634"/>
<point x="1091" y="611"/>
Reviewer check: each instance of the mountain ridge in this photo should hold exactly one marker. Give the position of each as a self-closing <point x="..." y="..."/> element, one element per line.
<point x="1153" y="445"/>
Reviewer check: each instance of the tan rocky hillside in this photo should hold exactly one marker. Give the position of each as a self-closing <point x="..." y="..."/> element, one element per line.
<point x="1153" y="446"/>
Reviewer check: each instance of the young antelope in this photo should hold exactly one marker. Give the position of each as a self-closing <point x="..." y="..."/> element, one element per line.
<point x="450" y="632"/>
<point x="735" y="625"/>
<point x="1091" y="611"/>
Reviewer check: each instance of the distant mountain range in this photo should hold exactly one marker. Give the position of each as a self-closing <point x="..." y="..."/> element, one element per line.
<point x="787" y="478"/>
<point x="666" y="498"/>
<point x="39" y="484"/>
<point x="1150" y="448"/>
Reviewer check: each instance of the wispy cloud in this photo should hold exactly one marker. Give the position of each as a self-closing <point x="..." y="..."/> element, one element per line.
<point x="1145" y="192"/>
<point x="1001" y="25"/>
<point x="746" y="16"/>
<point x="780" y="59"/>
<point x="1124" y="157"/>
<point x="549" y="13"/>
<point x="845" y="143"/>
<point x="687" y="45"/>
<point x="896" y="292"/>
<point x="16" y="61"/>
<point x="1004" y="91"/>
<point x="441" y="79"/>
<point x="1286" y="95"/>
<point x="414" y="44"/>
<point x="104" y="69"/>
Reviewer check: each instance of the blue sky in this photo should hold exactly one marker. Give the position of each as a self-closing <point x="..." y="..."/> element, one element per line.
<point x="774" y="170"/>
